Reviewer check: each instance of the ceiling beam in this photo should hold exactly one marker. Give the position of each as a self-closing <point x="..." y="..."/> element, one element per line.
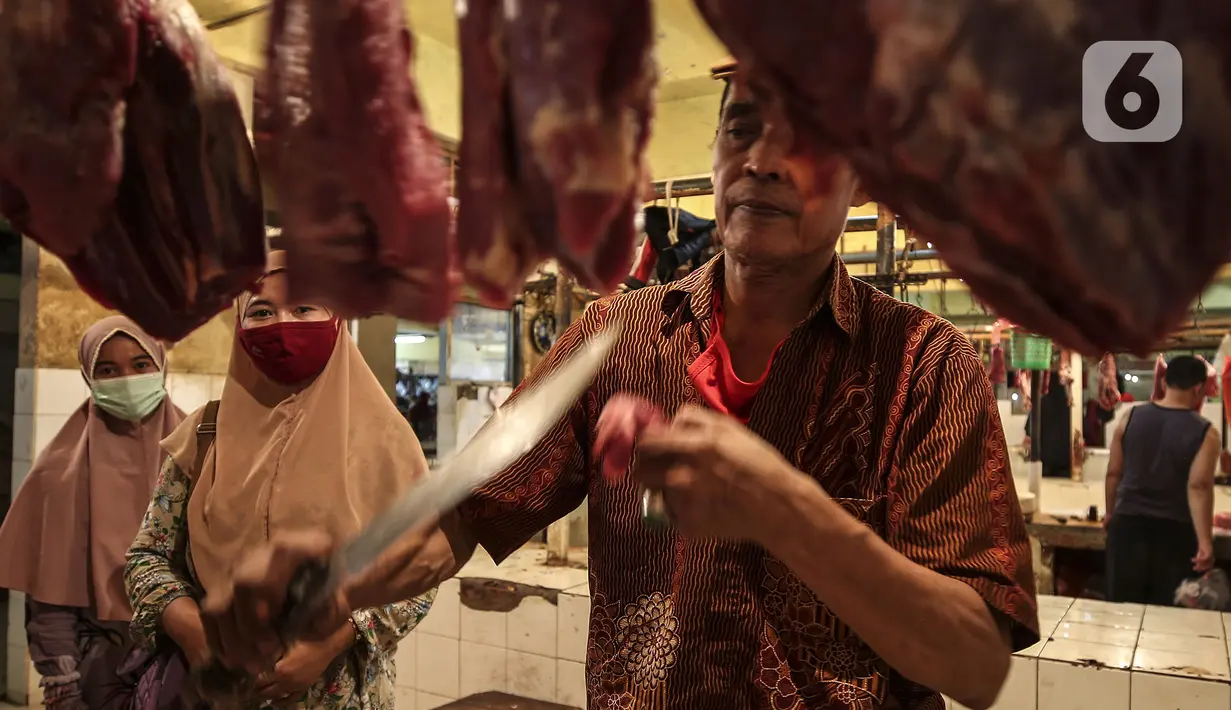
<point x="237" y="17"/>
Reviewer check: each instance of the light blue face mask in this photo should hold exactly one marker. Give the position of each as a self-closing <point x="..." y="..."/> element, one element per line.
<point x="130" y="398"/>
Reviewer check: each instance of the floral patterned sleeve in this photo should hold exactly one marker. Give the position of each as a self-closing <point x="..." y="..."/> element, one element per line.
<point x="381" y="628"/>
<point x="156" y="572"/>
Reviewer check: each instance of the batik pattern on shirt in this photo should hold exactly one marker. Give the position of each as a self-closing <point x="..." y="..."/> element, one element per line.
<point x="159" y="572"/>
<point x="885" y="405"/>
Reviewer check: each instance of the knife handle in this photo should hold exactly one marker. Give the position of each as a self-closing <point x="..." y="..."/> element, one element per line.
<point x="222" y="686"/>
<point x="308" y="590"/>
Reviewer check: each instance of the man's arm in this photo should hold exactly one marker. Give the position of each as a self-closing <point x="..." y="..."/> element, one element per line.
<point x="1115" y="468"/>
<point x="417" y="564"/>
<point x="1201" y="496"/>
<point x="949" y="591"/>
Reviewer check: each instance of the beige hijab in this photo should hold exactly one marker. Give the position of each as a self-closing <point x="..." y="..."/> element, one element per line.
<point x="329" y="456"/>
<point x="75" y="516"/>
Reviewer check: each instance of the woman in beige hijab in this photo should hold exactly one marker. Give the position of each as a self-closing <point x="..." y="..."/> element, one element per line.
<point x="64" y="538"/>
<point x="306" y="438"/>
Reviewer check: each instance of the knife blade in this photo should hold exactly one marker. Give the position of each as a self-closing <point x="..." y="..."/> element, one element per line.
<point x="510" y="433"/>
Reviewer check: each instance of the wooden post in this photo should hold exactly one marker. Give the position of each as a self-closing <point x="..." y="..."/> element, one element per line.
<point x="557" y="532"/>
<point x="886" y="230"/>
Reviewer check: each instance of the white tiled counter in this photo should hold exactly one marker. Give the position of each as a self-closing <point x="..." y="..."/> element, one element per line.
<point x="1100" y="656"/>
<point x="519" y="628"/>
<point x="530" y="640"/>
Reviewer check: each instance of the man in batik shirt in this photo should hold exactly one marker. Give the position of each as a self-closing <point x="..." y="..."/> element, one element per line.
<point x="845" y="531"/>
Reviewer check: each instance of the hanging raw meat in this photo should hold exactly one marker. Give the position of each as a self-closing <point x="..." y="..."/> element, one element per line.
<point x="185" y="232"/>
<point x="996" y="372"/>
<point x="622" y="420"/>
<point x="966" y="117"/>
<point x="1211" y="379"/>
<point x="1225" y="376"/>
<point x="1160" y="377"/>
<point x="361" y="180"/>
<point x="1023" y="387"/>
<point x="557" y="97"/>
<point x="1108" y="386"/>
<point x="65" y="67"/>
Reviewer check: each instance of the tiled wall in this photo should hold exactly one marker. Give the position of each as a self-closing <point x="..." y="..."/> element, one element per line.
<point x="43" y="400"/>
<point x="535" y="650"/>
<point x="1100" y="656"/>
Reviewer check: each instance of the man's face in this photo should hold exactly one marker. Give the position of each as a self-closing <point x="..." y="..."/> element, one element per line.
<point x="772" y="206"/>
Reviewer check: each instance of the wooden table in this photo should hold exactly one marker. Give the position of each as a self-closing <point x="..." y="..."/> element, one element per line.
<point x="1049" y="532"/>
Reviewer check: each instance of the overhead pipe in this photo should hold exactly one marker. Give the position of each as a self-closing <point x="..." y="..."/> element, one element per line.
<point x="237" y="17"/>
<point x="869" y="257"/>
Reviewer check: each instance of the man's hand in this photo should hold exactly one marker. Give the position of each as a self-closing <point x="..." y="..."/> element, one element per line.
<point x="240" y="621"/>
<point x="1204" y="560"/>
<point x="717" y="477"/>
<point x="299" y="670"/>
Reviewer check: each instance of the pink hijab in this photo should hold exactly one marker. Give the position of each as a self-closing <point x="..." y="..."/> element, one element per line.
<point x="75" y="516"/>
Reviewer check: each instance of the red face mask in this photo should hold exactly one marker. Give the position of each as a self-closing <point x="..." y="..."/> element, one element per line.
<point x="289" y="353"/>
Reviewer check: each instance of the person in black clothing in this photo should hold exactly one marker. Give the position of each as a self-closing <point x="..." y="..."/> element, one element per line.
<point x="1160" y="492"/>
<point x="1056" y="447"/>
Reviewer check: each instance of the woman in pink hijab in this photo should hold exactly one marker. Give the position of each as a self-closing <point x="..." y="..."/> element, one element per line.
<point x="64" y="538"/>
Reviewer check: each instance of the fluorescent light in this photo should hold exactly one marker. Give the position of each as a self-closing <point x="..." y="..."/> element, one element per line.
<point x="409" y="339"/>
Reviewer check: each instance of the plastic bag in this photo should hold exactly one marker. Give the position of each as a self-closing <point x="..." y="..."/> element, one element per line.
<point x="1209" y="591"/>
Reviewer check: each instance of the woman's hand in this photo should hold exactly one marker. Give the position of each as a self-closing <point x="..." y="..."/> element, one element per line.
<point x="302" y="666"/>
<point x="181" y="620"/>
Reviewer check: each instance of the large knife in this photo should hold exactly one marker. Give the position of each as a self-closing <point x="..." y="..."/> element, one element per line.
<point x="510" y="433"/>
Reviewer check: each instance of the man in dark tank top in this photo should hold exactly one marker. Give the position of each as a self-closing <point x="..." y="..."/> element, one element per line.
<point x="1160" y="491"/>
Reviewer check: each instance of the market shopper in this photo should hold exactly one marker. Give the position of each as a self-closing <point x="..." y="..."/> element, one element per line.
<point x="1056" y="412"/>
<point x="64" y="538"/>
<point x="856" y="544"/>
<point x="305" y="438"/>
<point x="1160" y="491"/>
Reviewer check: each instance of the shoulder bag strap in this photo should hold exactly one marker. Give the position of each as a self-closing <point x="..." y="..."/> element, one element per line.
<point x="206" y="431"/>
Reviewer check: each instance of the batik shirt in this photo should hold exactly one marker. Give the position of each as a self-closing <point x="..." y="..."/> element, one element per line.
<point x="883" y="404"/>
<point x="159" y="571"/>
